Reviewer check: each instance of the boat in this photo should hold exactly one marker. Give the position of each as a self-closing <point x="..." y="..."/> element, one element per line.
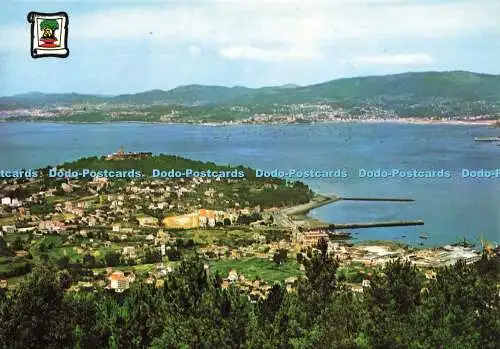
<point x="487" y="139"/>
<point x="423" y="236"/>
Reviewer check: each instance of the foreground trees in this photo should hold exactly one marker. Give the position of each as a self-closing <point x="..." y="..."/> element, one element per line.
<point x="459" y="309"/>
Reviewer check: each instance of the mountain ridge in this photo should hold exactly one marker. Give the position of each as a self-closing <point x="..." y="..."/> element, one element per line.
<point x="404" y="93"/>
<point x="287" y="85"/>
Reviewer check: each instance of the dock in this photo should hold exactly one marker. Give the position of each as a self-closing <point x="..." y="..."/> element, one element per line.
<point x="320" y="200"/>
<point x="377" y="199"/>
<point x="373" y="225"/>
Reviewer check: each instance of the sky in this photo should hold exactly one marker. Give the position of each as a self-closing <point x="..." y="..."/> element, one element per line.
<point x="137" y="45"/>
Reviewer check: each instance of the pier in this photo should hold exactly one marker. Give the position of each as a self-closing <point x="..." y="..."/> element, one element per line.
<point x="377" y="199"/>
<point x="375" y="224"/>
<point x="371" y="225"/>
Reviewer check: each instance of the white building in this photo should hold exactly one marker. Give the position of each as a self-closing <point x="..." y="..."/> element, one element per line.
<point x="118" y="281"/>
<point x="129" y="251"/>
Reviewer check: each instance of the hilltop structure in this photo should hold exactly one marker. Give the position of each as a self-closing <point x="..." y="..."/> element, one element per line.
<point x="121" y="155"/>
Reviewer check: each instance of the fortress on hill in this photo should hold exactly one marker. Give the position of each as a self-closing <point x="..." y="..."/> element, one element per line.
<point x="121" y="155"/>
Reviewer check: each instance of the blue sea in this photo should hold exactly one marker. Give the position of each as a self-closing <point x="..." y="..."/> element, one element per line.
<point x="452" y="208"/>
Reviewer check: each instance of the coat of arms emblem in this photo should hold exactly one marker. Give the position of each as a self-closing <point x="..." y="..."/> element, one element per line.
<point x="49" y="34"/>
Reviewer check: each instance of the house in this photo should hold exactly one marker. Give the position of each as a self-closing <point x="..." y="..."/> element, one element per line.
<point x="6" y="201"/>
<point x="129" y="251"/>
<point x="26" y="230"/>
<point x="9" y="228"/>
<point x="357" y="289"/>
<point x="131" y="277"/>
<point x="116" y="227"/>
<point x="312" y="238"/>
<point x="51" y="225"/>
<point x="430" y="274"/>
<point x="232" y="276"/>
<point x="118" y="281"/>
<point x="92" y="221"/>
<point x="4" y="283"/>
<point x="207" y="217"/>
<point x="365" y="283"/>
<point x="77" y="211"/>
<point x="145" y="221"/>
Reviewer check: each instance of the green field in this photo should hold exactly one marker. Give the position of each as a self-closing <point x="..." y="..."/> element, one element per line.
<point x="9" y="220"/>
<point x="228" y="237"/>
<point x="253" y="268"/>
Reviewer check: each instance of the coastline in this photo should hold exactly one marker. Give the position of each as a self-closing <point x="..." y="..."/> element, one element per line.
<point x="298" y="216"/>
<point x="404" y="121"/>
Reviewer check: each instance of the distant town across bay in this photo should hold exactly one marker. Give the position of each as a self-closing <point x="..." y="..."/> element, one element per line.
<point x="430" y="97"/>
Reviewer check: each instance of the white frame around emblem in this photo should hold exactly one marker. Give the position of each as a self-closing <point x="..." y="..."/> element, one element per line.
<point x="36" y="50"/>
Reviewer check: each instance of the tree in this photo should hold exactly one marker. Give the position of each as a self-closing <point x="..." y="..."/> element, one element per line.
<point x="269" y="307"/>
<point x="63" y="262"/>
<point x="392" y="300"/>
<point x="300" y="258"/>
<point x="153" y="256"/>
<point x="320" y="270"/>
<point x="112" y="258"/>
<point x="18" y="244"/>
<point x="461" y="308"/>
<point x="4" y="250"/>
<point x="88" y="261"/>
<point x="280" y="256"/>
<point x="49" y="27"/>
<point x="277" y="258"/>
<point x="173" y="254"/>
<point x="34" y="316"/>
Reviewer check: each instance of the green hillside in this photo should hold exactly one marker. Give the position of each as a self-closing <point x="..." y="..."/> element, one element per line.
<point x="407" y="87"/>
<point x="408" y="94"/>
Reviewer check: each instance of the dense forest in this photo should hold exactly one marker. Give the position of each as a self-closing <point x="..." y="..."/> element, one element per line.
<point x="401" y="309"/>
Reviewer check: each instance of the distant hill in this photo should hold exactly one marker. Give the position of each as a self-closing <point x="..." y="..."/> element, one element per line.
<point x="191" y="95"/>
<point x="40" y="99"/>
<point x="406" y="94"/>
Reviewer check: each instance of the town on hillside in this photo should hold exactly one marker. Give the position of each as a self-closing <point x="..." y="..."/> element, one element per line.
<point x="111" y="233"/>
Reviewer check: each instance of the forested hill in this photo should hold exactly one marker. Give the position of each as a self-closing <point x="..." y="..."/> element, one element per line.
<point x="459" y="85"/>
<point x="437" y="93"/>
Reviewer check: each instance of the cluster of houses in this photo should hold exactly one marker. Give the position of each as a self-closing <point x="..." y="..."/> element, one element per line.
<point x="11" y="202"/>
